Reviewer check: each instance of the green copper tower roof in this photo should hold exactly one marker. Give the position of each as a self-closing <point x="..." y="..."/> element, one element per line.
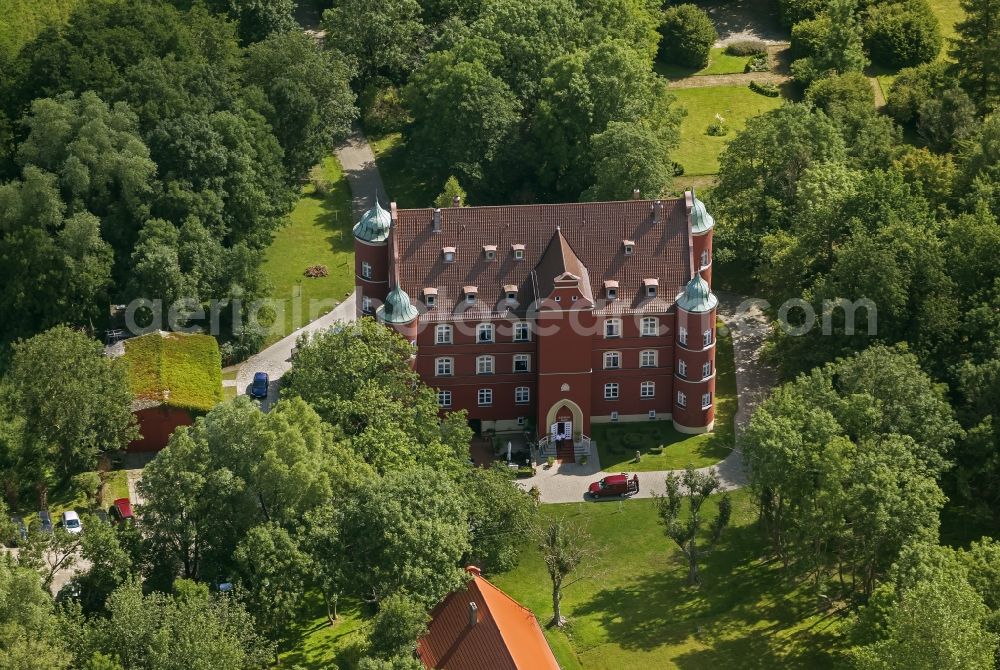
<point x="374" y="224"/>
<point x="696" y="296"/>
<point x="701" y="220"/>
<point x="397" y="308"/>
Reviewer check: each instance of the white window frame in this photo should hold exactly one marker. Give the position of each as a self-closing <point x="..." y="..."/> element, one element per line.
<point x="612" y="391"/>
<point x="614" y="416"/>
<point x="652" y="414"/>
<point x="706" y="338"/>
<point x="612" y="328"/>
<point x="706" y="400"/>
<point x="485" y="397"/>
<point x="682" y="335"/>
<point x="521" y="358"/>
<point x="682" y="399"/>
<point x="682" y="368"/>
<point x="647" y="390"/>
<point x="485" y="328"/>
<point x="522" y="395"/>
<point x="366" y="269"/>
<point x="449" y="257"/>
<point x="520" y="420"/>
<point x="444" y="398"/>
<point x="612" y="293"/>
<point x="430" y="299"/>
<point x="485" y="365"/>
<point x="366" y="304"/>
<point x="706" y="369"/>
<point x="470" y="298"/>
<point x="444" y="334"/>
<point x="518" y="254"/>
<point x="651" y="291"/>
<point x="628" y="249"/>
<point x="650" y="326"/>
<point x="648" y="355"/>
<point x="704" y="258"/>
<point x="617" y="355"/>
<point x="522" y="331"/>
<point x="444" y="367"/>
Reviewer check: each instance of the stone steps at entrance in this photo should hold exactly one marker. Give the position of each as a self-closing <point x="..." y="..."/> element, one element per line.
<point x="565" y="452"/>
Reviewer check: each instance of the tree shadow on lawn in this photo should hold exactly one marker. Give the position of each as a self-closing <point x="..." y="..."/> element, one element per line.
<point x="739" y="593"/>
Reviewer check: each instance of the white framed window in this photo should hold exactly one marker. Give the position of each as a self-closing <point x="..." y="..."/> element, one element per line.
<point x="522" y="332"/>
<point x="614" y="416"/>
<point x="449" y="255"/>
<point x="706" y="400"/>
<point x="706" y="337"/>
<point x="443" y="335"/>
<point x="612" y="360"/>
<point x="444" y="367"/>
<point x="651" y="291"/>
<point x="652" y="414"/>
<point x="647" y="390"/>
<point x="484" y="332"/>
<point x="520" y="420"/>
<point x="518" y="254"/>
<point x="484" y="365"/>
<point x="366" y="304"/>
<point x="682" y="335"/>
<point x="612" y="293"/>
<point x="611" y="391"/>
<point x="444" y="398"/>
<point x="522" y="395"/>
<point x="490" y="253"/>
<point x="682" y="400"/>
<point x="511" y="296"/>
<point x="470" y="298"/>
<point x="430" y="299"/>
<point x="706" y="369"/>
<point x="650" y="326"/>
<point x="522" y="363"/>
<point x="612" y="328"/>
<point x="366" y="269"/>
<point x="485" y="397"/>
<point x="704" y="258"/>
<point x="628" y="247"/>
<point x="647" y="358"/>
<point x="682" y="368"/>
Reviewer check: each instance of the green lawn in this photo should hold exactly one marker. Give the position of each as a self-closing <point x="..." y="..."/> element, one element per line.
<point x="664" y="448"/>
<point x="321" y="646"/>
<point x="318" y="232"/>
<point x="405" y="184"/>
<point x="698" y="151"/>
<point x="719" y="62"/>
<point x="948" y="13"/>
<point x="636" y="611"/>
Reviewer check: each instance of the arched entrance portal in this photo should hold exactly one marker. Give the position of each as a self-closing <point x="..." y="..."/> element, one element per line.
<point x="564" y="412"/>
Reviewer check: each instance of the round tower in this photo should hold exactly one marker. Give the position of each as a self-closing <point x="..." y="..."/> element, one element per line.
<point x="398" y="313"/>
<point x="694" y="358"/>
<point x="702" y="225"/>
<point x="371" y="259"/>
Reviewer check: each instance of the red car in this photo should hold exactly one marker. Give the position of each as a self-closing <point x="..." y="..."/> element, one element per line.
<point x="615" y="485"/>
<point x="121" y="510"/>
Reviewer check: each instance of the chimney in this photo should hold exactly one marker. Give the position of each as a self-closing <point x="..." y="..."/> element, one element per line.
<point x="635" y="194"/>
<point x="473" y="614"/>
<point x="456" y="201"/>
<point x="437" y="219"/>
<point x="657" y="211"/>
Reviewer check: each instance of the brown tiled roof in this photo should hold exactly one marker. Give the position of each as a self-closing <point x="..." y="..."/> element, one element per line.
<point x="592" y="231"/>
<point x="506" y="635"/>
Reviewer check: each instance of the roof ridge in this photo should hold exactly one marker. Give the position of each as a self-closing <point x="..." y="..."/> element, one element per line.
<point x="541" y="204"/>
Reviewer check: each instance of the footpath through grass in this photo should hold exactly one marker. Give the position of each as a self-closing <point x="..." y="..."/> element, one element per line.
<point x="663" y="447"/>
<point x="318" y="232"/>
<point x="635" y="611"/>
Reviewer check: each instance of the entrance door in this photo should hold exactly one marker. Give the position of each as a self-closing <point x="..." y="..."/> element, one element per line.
<point x="562" y="430"/>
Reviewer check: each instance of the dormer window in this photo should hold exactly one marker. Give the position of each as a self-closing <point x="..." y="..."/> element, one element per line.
<point x="628" y="246"/>
<point x="649" y="285"/>
<point x="448" y="253"/>
<point x="470" y="293"/>
<point x="510" y="292"/>
<point x="611" y="289"/>
<point x="518" y="250"/>
<point x="490" y="251"/>
<point x="430" y="296"/>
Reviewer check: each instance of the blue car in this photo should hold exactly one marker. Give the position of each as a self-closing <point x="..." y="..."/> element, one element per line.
<point x="259" y="387"/>
<point x="45" y="521"/>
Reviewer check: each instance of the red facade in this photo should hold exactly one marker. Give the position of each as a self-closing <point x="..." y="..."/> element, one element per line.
<point x="156" y="425"/>
<point x="594" y="288"/>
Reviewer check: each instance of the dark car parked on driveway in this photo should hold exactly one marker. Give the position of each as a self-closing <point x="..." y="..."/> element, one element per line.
<point x="45" y="521"/>
<point x="258" y="389"/>
<point x="20" y="530"/>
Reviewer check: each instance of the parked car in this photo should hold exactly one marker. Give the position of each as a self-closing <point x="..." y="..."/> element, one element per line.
<point x="45" y="521"/>
<point x="20" y="530"/>
<point x="121" y="510"/>
<point x="71" y="522"/>
<point x="258" y="389"/>
<point x="615" y="485"/>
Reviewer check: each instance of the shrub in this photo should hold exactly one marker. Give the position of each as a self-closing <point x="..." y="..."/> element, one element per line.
<point x="900" y="34"/>
<point x="765" y="88"/>
<point x="809" y="36"/>
<point x="746" y="48"/>
<point x="321" y="185"/>
<point x="86" y="484"/>
<point x="759" y="63"/>
<point x="316" y="271"/>
<point x="946" y="120"/>
<point x="382" y="108"/>
<point x="718" y="127"/>
<point x="688" y="36"/>
<point x="841" y="91"/>
<point x="912" y="87"/>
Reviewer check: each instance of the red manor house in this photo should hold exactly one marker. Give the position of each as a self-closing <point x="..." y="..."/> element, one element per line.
<point x="557" y="316"/>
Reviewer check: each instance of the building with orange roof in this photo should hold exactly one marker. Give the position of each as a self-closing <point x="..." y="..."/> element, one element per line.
<point x="483" y="628"/>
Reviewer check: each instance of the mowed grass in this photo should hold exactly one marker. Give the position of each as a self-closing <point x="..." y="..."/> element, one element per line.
<point x="663" y="447"/>
<point x="719" y="62"/>
<point x="635" y="610"/>
<point x="406" y="184"/>
<point x="698" y="151"/>
<point x="948" y="13"/>
<point x="320" y="646"/>
<point x="318" y="232"/>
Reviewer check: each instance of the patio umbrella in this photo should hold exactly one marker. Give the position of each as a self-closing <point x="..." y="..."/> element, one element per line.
<point x="508" y="452"/>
